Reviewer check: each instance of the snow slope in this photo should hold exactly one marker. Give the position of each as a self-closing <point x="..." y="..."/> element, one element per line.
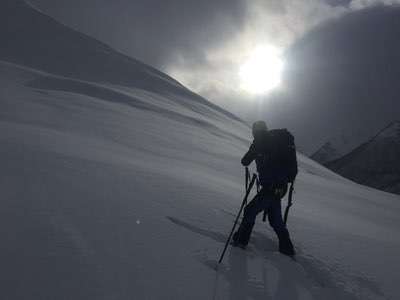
<point x="118" y="188"/>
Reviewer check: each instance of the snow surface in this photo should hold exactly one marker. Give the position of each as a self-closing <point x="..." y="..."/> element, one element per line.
<point x="112" y="190"/>
<point x="103" y="200"/>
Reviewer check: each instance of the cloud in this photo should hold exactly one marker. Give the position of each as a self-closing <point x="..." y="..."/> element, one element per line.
<point x="361" y="4"/>
<point x="278" y="23"/>
<point x="333" y="49"/>
<point x="154" y="31"/>
<point x="201" y="43"/>
<point x="343" y="77"/>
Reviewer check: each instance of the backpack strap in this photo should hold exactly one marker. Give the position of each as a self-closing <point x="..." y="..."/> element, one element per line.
<point x="247" y="178"/>
<point x="290" y="202"/>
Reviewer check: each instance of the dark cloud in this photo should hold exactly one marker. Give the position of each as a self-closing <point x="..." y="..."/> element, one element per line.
<point x="343" y="75"/>
<point x="154" y="31"/>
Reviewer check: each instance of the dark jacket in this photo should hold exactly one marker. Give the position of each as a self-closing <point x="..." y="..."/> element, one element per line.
<point x="261" y="151"/>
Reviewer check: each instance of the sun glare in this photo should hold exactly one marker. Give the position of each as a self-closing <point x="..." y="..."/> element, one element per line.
<point x="261" y="72"/>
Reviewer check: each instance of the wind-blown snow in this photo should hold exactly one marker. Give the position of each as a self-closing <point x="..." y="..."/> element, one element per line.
<point x="112" y="190"/>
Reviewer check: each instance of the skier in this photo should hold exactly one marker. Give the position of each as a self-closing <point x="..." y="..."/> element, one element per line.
<point x="273" y="168"/>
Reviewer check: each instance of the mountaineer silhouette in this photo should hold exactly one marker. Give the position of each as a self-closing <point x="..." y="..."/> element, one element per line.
<point x="275" y="155"/>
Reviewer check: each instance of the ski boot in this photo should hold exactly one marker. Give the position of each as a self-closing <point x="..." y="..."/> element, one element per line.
<point x="285" y="244"/>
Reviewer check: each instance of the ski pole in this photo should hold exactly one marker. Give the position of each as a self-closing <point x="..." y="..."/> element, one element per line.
<point x="238" y="215"/>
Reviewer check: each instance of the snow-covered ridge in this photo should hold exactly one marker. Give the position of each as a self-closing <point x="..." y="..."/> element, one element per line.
<point x="340" y="145"/>
<point x="326" y="153"/>
<point x="39" y="42"/>
<point x="376" y="162"/>
<point x="391" y="131"/>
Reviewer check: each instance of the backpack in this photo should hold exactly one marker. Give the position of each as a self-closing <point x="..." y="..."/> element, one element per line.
<point x="279" y="163"/>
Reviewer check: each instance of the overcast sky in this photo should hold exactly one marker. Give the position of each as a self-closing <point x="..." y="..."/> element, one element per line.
<point x="340" y="57"/>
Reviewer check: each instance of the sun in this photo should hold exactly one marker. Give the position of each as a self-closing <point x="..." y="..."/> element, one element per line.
<point x="262" y="70"/>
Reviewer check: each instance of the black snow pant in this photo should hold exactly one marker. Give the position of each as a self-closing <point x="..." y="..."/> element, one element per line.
<point x="264" y="200"/>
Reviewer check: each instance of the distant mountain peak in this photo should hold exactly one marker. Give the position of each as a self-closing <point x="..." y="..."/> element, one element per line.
<point x="326" y="153"/>
<point x="339" y="145"/>
<point x="375" y="163"/>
